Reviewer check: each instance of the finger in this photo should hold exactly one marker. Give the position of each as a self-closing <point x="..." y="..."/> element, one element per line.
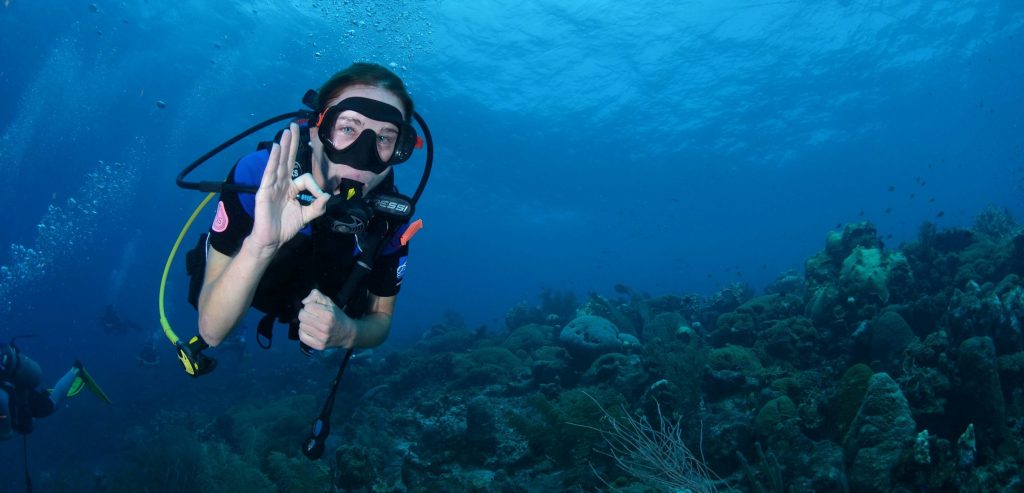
<point x="293" y="148"/>
<point x="269" y="176"/>
<point x="316" y="315"/>
<point x="284" y="163"/>
<point x="307" y="183"/>
<point x="310" y="340"/>
<point x="319" y="206"/>
<point x="307" y="317"/>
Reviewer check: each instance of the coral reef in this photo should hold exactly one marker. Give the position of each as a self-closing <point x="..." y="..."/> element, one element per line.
<point x="873" y="370"/>
<point x="248" y="449"/>
<point x="879" y="435"/>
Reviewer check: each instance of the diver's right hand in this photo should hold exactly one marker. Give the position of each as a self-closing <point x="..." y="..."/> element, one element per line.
<point x="279" y="215"/>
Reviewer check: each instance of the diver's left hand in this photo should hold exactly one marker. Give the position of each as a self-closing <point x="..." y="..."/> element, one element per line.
<point x="322" y="324"/>
<point x="278" y="215"/>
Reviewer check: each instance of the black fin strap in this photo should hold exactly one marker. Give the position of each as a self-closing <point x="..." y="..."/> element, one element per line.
<point x="265" y="331"/>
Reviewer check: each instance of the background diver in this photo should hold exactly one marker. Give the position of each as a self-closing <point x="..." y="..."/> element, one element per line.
<point x="113" y="323"/>
<point x="148" y="355"/>
<point x="21" y="398"/>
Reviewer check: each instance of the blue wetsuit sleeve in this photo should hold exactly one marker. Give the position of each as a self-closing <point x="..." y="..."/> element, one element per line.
<point x="235" y="211"/>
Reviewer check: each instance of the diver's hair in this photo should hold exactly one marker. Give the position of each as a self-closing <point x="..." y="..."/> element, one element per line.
<point x="364" y="74"/>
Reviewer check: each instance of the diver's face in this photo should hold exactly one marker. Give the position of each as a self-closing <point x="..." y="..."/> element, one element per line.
<point x="349" y="126"/>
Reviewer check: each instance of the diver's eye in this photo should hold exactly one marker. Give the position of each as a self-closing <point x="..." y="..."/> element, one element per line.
<point x="385" y="140"/>
<point x="346" y="130"/>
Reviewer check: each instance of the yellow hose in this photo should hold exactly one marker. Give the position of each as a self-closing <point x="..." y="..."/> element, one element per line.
<point x="167" y="268"/>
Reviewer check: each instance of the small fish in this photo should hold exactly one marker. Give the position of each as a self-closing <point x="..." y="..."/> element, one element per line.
<point x="888" y="236"/>
<point x="839" y="225"/>
<point x="888" y="210"/>
<point x="861" y="213"/>
<point x="940" y="214"/>
<point x="913" y="195"/>
<point x="931" y="200"/>
<point x="892" y="187"/>
<point x="160" y="104"/>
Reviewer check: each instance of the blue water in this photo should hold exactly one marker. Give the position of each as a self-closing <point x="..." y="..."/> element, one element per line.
<point x="579" y="145"/>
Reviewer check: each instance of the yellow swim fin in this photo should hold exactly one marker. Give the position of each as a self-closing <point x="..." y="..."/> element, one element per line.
<point x="84" y="380"/>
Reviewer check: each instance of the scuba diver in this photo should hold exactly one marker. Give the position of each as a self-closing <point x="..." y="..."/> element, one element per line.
<point x="311" y="229"/>
<point x="21" y="399"/>
<point x="235" y="345"/>
<point x="289" y="259"/>
<point x="148" y="355"/>
<point x="113" y="323"/>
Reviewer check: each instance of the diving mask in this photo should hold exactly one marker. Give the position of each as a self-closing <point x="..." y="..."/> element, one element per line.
<point x="368" y="150"/>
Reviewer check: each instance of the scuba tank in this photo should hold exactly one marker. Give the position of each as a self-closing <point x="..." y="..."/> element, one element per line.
<point x="20" y="370"/>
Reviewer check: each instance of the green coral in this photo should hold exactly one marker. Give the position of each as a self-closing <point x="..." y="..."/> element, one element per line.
<point x="549" y="426"/>
<point x="664" y="326"/>
<point x="849" y="395"/>
<point x="356" y="466"/>
<point x="792" y="341"/>
<point x="529" y="337"/>
<point x="736" y="328"/>
<point x="839" y="246"/>
<point x="487" y="365"/>
<point x="790" y="386"/>
<point x="734" y="358"/>
<point x="984" y="260"/>
<point x="291" y="473"/>
<point x="682" y="364"/>
<point x="996" y="222"/>
<point x="774" y="415"/>
<point x="863" y="274"/>
<point x="250" y="448"/>
<point x="822" y="305"/>
<point x="175" y="459"/>
<point x="272" y="426"/>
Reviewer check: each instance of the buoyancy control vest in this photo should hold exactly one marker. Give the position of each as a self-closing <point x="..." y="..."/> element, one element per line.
<point x="322" y="259"/>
